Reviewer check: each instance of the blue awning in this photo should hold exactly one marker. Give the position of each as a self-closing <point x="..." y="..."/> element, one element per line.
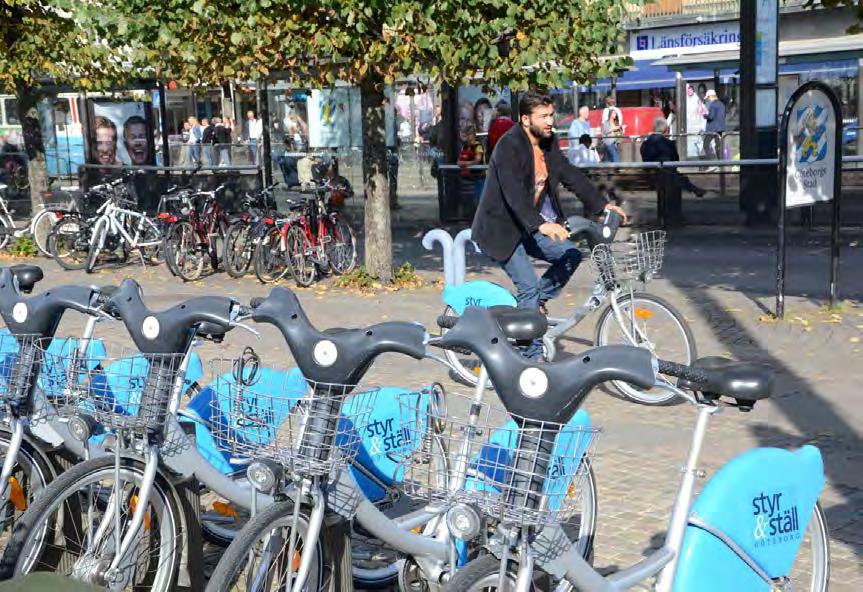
<point x="643" y="74"/>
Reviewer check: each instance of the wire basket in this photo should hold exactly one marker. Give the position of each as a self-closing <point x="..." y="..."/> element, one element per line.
<point x="120" y="387"/>
<point x="18" y="363"/>
<point x="517" y="474"/>
<point x="310" y="428"/>
<point x="635" y="260"/>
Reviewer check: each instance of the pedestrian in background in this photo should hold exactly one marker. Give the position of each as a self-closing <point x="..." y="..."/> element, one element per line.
<point x="254" y="131"/>
<point x="715" y="127"/>
<point x="222" y="140"/>
<point x="194" y="141"/>
<point x="184" y="144"/>
<point x="579" y="127"/>
<point x="612" y="130"/>
<point x="501" y="124"/>
<point x="657" y="147"/>
<point x="207" y="130"/>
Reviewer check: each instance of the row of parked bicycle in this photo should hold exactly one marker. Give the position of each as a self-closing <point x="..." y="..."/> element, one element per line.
<point x="314" y="481"/>
<point x="191" y="231"/>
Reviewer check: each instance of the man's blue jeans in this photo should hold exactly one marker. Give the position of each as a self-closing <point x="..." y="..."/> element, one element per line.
<point x="564" y="258"/>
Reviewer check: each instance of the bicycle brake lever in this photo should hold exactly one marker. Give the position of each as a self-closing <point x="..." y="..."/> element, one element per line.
<point x="254" y="332"/>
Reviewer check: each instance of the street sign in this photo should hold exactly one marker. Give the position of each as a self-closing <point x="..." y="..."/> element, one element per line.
<point x="813" y="150"/>
<point x="810" y="170"/>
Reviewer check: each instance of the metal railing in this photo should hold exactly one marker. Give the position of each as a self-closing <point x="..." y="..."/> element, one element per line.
<point x="651" y="13"/>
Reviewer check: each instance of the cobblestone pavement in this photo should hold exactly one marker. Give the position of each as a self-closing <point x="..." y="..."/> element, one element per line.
<point x="723" y="284"/>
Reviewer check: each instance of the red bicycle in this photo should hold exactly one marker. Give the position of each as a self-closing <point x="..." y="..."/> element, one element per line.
<point x="196" y="236"/>
<point x="318" y="240"/>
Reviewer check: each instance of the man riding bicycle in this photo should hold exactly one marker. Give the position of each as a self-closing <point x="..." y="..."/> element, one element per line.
<point x="519" y="214"/>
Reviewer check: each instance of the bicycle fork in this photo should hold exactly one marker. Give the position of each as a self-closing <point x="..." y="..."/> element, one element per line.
<point x="17" y="425"/>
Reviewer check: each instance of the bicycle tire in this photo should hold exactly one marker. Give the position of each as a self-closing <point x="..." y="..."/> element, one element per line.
<point x="237" y="263"/>
<point x="154" y="255"/>
<point x="6" y="231"/>
<point x="67" y="246"/>
<point x="33" y="472"/>
<point x="15" y="563"/>
<point x="238" y="552"/>
<point x="303" y="269"/>
<point x="481" y="575"/>
<point x="181" y="247"/>
<point x="40" y="227"/>
<point x="607" y="320"/>
<point x="267" y="255"/>
<point x="342" y="248"/>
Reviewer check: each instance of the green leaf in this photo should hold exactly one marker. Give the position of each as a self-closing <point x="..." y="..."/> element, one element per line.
<point x="236" y="37"/>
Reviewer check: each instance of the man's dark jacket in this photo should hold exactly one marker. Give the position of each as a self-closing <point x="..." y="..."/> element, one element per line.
<point x="506" y="210"/>
<point x="658" y="148"/>
<point x="207" y="135"/>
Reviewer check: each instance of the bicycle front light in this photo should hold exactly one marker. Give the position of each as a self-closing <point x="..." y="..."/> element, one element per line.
<point x="264" y="475"/>
<point x="463" y="522"/>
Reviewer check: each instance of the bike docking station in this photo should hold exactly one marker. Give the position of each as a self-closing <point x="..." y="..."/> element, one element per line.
<point x="810" y="171"/>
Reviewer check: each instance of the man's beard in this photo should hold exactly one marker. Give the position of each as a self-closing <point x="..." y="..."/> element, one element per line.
<point x="538" y="132"/>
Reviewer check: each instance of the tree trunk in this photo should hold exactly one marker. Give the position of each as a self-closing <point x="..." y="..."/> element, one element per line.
<point x="37" y="169"/>
<point x="378" y="231"/>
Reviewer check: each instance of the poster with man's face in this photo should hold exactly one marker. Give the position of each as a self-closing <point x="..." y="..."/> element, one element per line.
<point x="122" y="133"/>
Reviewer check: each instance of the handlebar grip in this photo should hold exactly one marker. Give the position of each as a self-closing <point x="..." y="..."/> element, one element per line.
<point x="447" y="322"/>
<point x="688" y="373"/>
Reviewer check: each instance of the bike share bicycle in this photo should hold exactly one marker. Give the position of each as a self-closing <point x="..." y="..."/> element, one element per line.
<point x="289" y="543"/>
<point x="743" y="532"/>
<point x="626" y="315"/>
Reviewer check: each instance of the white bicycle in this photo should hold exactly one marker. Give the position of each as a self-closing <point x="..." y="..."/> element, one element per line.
<point x="39" y="226"/>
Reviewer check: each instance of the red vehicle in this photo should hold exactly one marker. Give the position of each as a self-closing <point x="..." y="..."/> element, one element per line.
<point x="196" y="235"/>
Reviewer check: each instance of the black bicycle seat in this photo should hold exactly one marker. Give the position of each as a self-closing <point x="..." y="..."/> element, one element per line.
<point x="743" y="381"/>
<point x="28" y="276"/>
<point x="521" y="324"/>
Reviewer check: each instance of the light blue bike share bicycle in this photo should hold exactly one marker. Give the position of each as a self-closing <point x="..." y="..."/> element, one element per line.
<point x="755" y="526"/>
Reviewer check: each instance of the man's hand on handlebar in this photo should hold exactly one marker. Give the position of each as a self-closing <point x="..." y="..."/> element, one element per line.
<point x="554" y="231"/>
<point x="617" y="210"/>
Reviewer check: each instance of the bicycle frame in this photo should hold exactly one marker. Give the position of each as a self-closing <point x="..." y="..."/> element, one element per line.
<point x="663" y="562"/>
<point x="112" y="215"/>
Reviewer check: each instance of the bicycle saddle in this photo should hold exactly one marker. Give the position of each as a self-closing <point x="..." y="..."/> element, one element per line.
<point x="521" y="324"/>
<point x="743" y="381"/>
<point x="27" y="276"/>
<point x="335" y="357"/>
<point x="549" y="392"/>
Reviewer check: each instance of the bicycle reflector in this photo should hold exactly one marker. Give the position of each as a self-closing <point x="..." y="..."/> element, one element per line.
<point x="642" y="313"/>
<point x="268" y="221"/>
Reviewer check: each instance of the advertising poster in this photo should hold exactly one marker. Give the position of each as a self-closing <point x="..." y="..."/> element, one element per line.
<point x="811" y="150"/>
<point x="335" y="118"/>
<point x="121" y="133"/>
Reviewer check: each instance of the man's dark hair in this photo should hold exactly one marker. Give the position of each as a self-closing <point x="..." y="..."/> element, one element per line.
<point x="482" y="101"/>
<point x="585" y="140"/>
<point x="134" y="120"/>
<point x="503" y="109"/>
<point x="530" y="101"/>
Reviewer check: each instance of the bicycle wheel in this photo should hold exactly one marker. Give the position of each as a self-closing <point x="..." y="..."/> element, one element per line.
<point x="482" y="575"/>
<point x="182" y="253"/>
<point x="341" y="249"/>
<point x="655" y="325"/>
<point x="6" y="231"/>
<point x="271" y="263"/>
<point x="81" y="503"/>
<point x="151" y="237"/>
<point x="239" y="249"/>
<point x="30" y="476"/>
<point x="299" y="250"/>
<point x="41" y="227"/>
<point x="257" y="558"/>
<point x="69" y="243"/>
<point x="810" y="571"/>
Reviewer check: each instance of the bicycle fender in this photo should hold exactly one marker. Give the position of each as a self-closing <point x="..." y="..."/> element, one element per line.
<point x="762" y="501"/>
<point x="476" y="293"/>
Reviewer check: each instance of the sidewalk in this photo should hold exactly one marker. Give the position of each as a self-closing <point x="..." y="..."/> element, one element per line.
<point x="723" y="283"/>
